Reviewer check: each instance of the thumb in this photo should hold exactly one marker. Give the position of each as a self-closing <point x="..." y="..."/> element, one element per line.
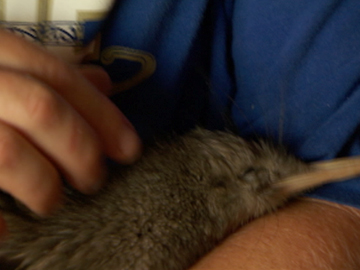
<point x="98" y="77"/>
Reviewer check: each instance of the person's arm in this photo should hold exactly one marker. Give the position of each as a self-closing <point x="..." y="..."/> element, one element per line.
<point x="306" y="234"/>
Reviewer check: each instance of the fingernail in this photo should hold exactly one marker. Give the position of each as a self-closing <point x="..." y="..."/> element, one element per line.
<point x="129" y="143"/>
<point x="98" y="181"/>
<point x="96" y="186"/>
<point x="54" y="203"/>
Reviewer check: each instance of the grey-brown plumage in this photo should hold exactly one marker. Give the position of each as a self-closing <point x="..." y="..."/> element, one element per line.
<point x="164" y="212"/>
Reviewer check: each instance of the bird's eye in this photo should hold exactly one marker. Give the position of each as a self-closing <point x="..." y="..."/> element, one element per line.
<point x="258" y="178"/>
<point x="249" y="175"/>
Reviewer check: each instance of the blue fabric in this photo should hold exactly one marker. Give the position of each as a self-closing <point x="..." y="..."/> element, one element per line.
<point x="286" y="70"/>
<point x="297" y="69"/>
<point x="169" y="30"/>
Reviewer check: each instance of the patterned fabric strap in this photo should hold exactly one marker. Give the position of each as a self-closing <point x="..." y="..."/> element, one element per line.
<point x="65" y="27"/>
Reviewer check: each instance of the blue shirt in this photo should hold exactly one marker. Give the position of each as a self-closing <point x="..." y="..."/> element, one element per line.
<point x="285" y="70"/>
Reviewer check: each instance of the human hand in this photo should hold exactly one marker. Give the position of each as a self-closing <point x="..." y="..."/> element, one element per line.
<point x="54" y="120"/>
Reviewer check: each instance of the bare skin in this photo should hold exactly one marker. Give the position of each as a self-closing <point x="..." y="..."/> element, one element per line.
<point x="55" y="119"/>
<point x="306" y="234"/>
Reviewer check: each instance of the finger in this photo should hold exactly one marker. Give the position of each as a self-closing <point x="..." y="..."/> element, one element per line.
<point x="117" y="135"/>
<point x="26" y="174"/>
<point x="44" y="118"/>
<point x="98" y="77"/>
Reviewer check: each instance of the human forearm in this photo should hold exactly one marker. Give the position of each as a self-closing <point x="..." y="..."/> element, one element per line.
<point x="307" y="234"/>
